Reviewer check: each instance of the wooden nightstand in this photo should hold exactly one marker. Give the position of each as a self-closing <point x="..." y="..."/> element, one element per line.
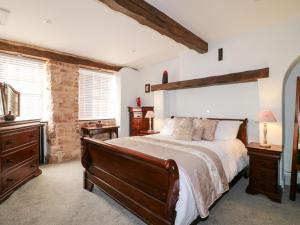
<point x="264" y="163"/>
<point x="148" y="132"/>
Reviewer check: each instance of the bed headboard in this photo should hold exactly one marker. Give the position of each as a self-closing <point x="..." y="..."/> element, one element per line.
<point x="242" y="134"/>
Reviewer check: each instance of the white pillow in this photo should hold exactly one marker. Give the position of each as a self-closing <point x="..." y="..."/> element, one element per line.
<point x="168" y="127"/>
<point x="227" y="130"/>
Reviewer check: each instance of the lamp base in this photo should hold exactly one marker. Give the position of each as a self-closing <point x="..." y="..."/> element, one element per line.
<point x="265" y="145"/>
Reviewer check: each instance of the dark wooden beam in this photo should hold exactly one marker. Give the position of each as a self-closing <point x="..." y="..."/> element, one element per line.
<point x="232" y="78"/>
<point x="150" y="16"/>
<point x="46" y="54"/>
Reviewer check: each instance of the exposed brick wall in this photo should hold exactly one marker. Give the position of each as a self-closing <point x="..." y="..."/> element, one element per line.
<point x="63" y="126"/>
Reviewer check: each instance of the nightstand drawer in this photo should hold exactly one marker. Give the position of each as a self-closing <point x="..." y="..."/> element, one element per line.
<point x="264" y="174"/>
<point x="266" y="163"/>
<point x="265" y="186"/>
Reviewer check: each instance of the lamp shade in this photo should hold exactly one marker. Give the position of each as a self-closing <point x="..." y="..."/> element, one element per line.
<point x="149" y="114"/>
<point x="266" y="116"/>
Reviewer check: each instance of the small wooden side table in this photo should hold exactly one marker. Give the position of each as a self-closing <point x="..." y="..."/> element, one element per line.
<point x="264" y="176"/>
<point x="91" y="131"/>
<point x="148" y="132"/>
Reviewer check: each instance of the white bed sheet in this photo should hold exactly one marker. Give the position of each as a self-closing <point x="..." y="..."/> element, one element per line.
<point x="233" y="155"/>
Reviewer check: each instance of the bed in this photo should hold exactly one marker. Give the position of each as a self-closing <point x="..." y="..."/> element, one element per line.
<point x="159" y="178"/>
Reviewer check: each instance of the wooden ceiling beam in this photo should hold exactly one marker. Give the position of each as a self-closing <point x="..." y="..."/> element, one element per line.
<point x="232" y="78"/>
<point x="46" y="54"/>
<point x="150" y="16"/>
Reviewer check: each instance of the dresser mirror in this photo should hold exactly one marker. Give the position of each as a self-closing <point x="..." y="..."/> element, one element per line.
<point x="10" y="100"/>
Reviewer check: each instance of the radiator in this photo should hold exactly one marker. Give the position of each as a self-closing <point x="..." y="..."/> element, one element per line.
<point x="43" y="144"/>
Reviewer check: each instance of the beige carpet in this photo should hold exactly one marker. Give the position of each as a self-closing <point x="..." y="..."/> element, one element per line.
<point x="57" y="198"/>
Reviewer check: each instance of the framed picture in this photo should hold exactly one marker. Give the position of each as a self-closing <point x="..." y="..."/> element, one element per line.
<point x="147" y="88"/>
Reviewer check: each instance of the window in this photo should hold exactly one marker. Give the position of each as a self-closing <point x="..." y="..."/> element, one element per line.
<point x="28" y="77"/>
<point x="96" y="95"/>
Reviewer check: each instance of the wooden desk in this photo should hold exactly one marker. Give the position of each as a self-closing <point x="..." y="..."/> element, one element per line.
<point x="91" y="131"/>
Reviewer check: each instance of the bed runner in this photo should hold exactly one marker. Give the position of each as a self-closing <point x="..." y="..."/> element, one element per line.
<point x="202" y="167"/>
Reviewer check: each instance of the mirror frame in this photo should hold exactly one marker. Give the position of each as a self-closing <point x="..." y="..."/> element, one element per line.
<point x="2" y="100"/>
<point x="4" y="90"/>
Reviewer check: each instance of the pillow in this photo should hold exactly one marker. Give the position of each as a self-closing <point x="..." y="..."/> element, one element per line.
<point x="198" y="130"/>
<point x="168" y="127"/>
<point x="209" y="128"/>
<point x="183" y="129"/>
<point x="227" y="130"/>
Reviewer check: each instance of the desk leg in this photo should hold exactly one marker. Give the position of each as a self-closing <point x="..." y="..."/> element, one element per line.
<point x="117" y="133"/>
<point x="110" y="135"/>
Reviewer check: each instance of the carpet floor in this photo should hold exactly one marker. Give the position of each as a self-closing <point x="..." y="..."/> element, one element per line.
<point x="57" y="198"/>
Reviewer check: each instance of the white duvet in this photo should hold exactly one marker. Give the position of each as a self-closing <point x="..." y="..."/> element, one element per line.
<point x="233" y="155"/>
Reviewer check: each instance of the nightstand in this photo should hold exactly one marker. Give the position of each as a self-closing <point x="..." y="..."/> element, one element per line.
<point x="148" y="132"/>
<point x="264" y="164"/>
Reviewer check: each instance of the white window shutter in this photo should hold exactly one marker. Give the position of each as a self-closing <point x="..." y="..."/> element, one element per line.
<point x="96" y="95"/>
<point x="27" y="76"/>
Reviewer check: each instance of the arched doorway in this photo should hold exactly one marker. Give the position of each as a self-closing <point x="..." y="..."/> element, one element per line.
<point x="288" y="113"/>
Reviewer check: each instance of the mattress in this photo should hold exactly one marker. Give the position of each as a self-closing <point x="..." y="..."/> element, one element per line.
<point x="232" y="156"/>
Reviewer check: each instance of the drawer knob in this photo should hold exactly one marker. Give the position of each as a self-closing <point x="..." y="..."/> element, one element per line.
<point x="262" y="163"/>
<point x="31" y="136"/>
<point x="32" y="166"/>
<point x="9" y="180"/>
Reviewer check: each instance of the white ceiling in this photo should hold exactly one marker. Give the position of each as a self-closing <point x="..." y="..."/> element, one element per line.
<point x="89" y="28"/>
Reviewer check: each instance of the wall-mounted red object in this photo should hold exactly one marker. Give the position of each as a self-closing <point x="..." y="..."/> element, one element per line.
<point x="138" y="102"/>
<point x="165" y="77"/>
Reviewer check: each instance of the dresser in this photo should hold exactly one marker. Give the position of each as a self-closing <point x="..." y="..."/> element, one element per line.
<point x="19" y="154"/>
<point x="137" y="120"/>
<point x="264" y="175"/>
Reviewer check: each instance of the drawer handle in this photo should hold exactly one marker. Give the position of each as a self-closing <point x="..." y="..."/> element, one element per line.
<point x="31" y="135"/>
<point x="32" y="166"/>
<point x="9" y="142"/>
<point x="9" y="180"/>
<point x="10" y="161"/>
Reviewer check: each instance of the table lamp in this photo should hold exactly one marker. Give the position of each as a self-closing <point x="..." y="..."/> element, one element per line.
<point x="150" y="115"/>
<point x="266" y="116"/>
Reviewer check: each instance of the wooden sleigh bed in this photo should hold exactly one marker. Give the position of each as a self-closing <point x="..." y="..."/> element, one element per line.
<point x="145" y="185"/>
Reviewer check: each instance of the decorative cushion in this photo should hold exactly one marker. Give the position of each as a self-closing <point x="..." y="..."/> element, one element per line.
<point x="198" y="130"/>
<point x="168" y="127"/>
<point x="209" y="127"/>
<point x="183" y="128"/>
<point x="227" y="130"/>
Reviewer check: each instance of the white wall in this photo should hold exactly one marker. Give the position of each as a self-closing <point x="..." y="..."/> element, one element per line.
<point x="275" y="47"/>
<point x="289" y="111"/>
<point x="128" y="89"/>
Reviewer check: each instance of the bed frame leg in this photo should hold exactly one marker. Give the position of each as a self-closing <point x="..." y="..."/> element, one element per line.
<point x="87" y="184"/>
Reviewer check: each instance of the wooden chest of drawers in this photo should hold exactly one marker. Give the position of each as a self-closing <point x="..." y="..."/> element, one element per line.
<point x="19" y="155"/>
<point x="137" y="120"/>
<point x="264" y="171"/>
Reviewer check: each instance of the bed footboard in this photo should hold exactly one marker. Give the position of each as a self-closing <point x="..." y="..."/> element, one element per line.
<point x="146" y="185"/>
